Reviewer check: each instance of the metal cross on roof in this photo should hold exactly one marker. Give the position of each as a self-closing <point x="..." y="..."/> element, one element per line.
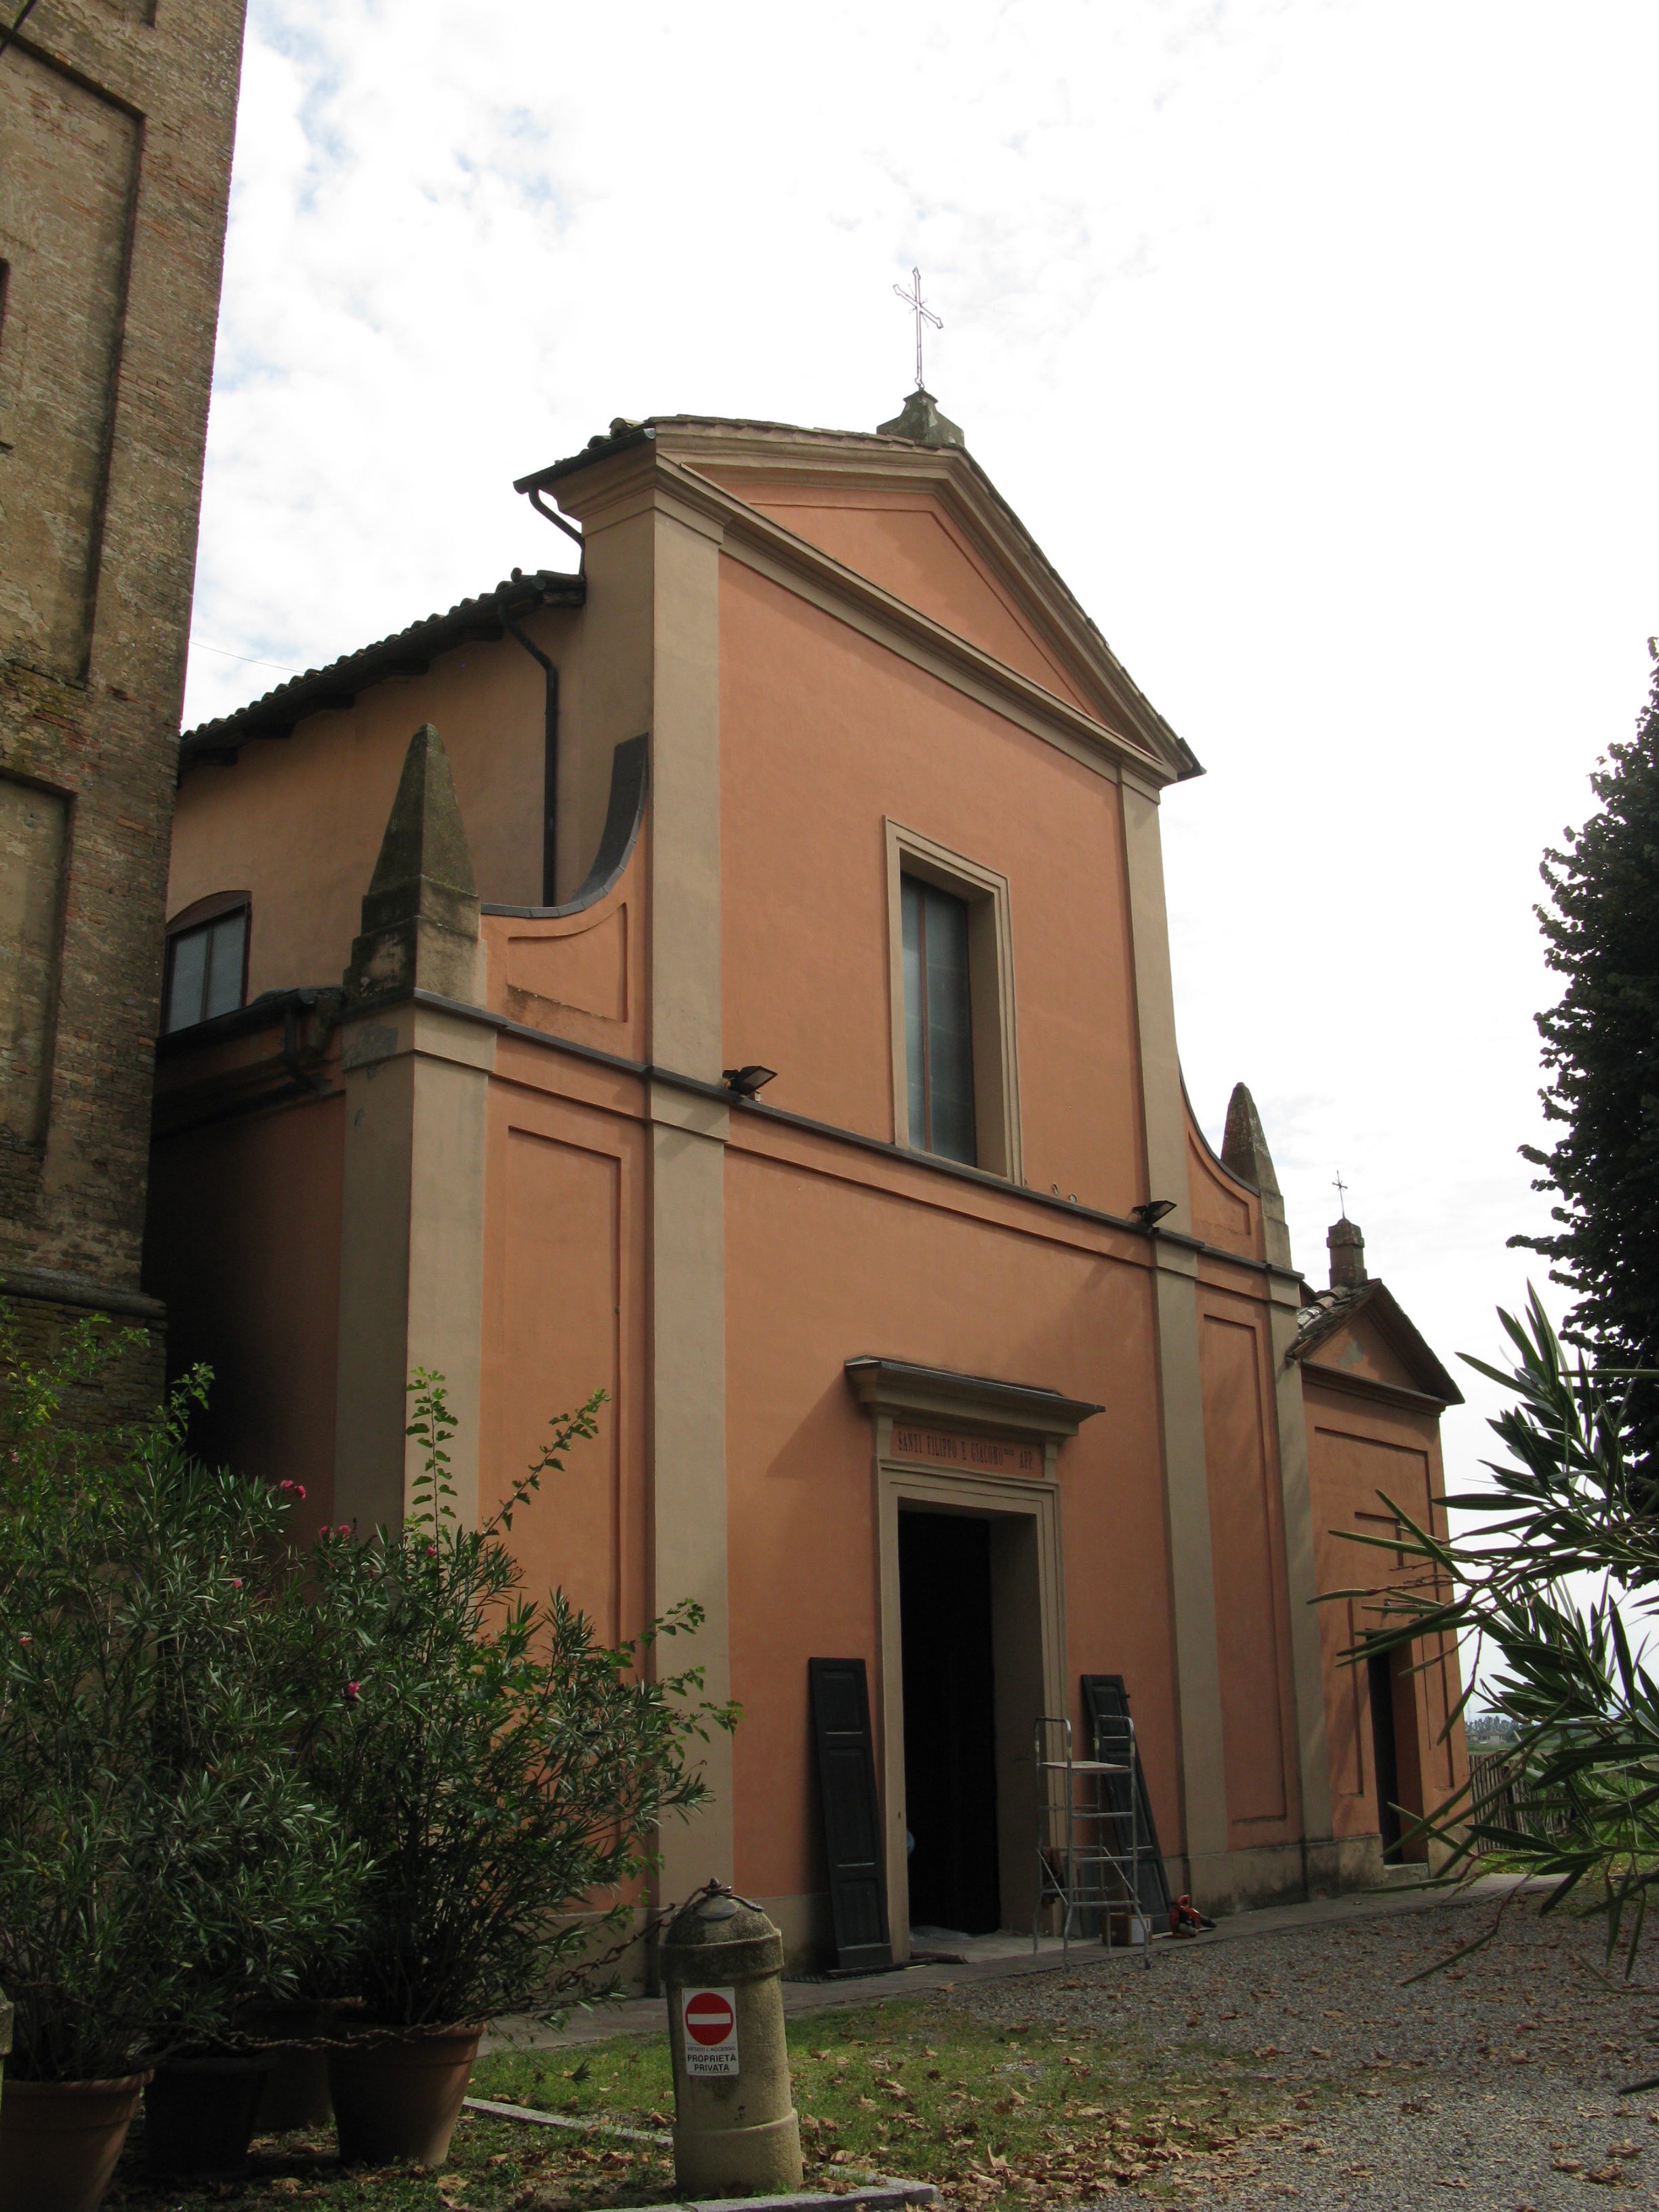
<point x="1341" y="1193"/>
<point x="923" y="313"/>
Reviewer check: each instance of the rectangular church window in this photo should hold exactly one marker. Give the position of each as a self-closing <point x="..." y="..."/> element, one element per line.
<point x="938" y="1021"/>
<point x="207" y="968"/>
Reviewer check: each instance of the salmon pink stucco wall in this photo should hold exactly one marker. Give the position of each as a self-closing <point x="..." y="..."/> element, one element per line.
<point x="1359" y="1452"/>
<point x="564" y="1316"/>
<point x="1258" y="1709"/>
<point x="820" y="1268"/>
<point x="297" y="821"/>
<point x="824" y="734"/>
<point x="904" y="543"/>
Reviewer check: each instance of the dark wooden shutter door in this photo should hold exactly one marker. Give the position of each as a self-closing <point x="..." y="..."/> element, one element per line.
<point x="852" y="1823"/>
<point x="1105" y="1698"/>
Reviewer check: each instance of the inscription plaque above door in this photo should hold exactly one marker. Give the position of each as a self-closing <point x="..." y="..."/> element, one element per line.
<point x="955" y="1447"/>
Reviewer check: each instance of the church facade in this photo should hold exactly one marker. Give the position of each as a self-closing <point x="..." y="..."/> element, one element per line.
<point x="736" y="975"/>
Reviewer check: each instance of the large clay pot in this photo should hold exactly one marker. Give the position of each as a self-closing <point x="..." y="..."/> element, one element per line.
<point x="296" y="2088"/>
<point x="398" y="2094"/>
<point x="59" y="2141"/>
<point x="198" y="2111"/>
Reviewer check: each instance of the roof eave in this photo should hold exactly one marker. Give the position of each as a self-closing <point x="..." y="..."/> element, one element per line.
<point x="407" y="652"/>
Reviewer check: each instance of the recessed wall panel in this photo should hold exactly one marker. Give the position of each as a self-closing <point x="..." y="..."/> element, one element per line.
<point x="67" y="166"/>
<point x="33" y="841"/>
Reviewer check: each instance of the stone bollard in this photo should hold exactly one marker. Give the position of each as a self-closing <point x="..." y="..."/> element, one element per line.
<point x="735" y="2129"/>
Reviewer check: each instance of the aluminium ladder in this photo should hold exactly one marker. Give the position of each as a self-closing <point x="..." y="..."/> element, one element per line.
<point x="1091" y="1838"/>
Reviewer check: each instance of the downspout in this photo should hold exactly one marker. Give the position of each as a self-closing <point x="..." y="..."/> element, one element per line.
<point x="550" y="514"/>
<point x="549" y="763"/>
<point x="550" y="749"/>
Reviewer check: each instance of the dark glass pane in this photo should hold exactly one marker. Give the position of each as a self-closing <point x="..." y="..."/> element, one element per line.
<point x="186" y="978"/>
<point x="950" y="1029"/>
<point x="226" y="939"/>
<point x="916" y="1027"/>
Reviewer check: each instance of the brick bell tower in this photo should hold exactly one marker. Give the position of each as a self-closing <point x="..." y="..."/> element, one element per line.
<point x="116" y="124"/>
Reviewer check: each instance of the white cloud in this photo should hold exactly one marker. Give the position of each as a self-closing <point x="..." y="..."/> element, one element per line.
<point x="1311" y="337"/>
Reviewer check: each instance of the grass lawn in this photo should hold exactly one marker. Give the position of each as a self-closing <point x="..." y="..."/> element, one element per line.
<point x="996" y="2116"/>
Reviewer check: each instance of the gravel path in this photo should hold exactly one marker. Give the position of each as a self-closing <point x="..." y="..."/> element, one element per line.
<point x="1491" y="2085"/>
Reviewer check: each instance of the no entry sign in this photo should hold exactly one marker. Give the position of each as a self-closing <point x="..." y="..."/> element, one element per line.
<point x="710" y="2019"/>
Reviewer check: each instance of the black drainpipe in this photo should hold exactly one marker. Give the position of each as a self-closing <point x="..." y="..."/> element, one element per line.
<point x="549" y="763"/>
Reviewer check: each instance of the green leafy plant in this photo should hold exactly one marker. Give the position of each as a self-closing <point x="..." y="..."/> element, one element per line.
<point x="1542" y="1591"/>
<point x="502" y="1768"/>
<point x="161" y="1856"/>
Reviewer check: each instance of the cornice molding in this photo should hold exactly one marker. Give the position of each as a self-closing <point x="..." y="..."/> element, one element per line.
<point x="899" y="1387"/>
<point x="1367" y="1386"/>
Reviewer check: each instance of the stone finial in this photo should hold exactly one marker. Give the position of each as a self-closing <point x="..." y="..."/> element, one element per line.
<point x="1346" y="1247"/>
<point x="419" y="918"/>
<point x="921" y="422"/>
<point x="1244" y="1153"/>
<point x="1244" y="1148"/>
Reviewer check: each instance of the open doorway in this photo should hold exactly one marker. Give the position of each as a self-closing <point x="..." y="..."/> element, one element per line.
<point x="950" y="1722"/>
<point x="1394" y="1741"/>
<point x="973" y="1650"/>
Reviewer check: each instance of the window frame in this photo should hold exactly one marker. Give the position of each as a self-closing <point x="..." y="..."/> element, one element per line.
<point x="990" y="990"/>
<point x="215" y="907"/>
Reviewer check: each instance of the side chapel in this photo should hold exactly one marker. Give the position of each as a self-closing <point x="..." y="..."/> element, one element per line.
<point x="748" y="990"/>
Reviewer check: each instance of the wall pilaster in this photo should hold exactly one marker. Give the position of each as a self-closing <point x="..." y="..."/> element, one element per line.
<point x="1302" y="1582"/>
<point x="688" y="1154"/>
<point x="653" y="567"/>
<point x="1181" y="1398"/>
<point x="411" y="1249"/>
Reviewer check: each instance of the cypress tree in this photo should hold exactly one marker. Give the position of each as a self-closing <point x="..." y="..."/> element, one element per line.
<point x="1602" y="1050"/>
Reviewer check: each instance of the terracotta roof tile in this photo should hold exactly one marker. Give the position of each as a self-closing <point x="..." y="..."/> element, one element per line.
<point x="407" y="652"/>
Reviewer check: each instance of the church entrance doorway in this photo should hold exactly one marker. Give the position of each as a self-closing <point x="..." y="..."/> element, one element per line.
<point x="972" y="1650"/>
<point x="950" y="1722"/>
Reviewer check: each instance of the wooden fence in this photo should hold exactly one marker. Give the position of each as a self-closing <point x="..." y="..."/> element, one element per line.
<point x="1501" y="1792"/>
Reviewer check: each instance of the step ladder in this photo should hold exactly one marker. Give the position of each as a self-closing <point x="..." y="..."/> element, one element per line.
<point x="1092" y="1842"/>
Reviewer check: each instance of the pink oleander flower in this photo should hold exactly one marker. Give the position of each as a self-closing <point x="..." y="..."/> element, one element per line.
<point x="296" y="1491"/>
<point x="351" y="1690"/>
<point x="236" y="1582"/>
<point x="345" y="1528"/>
<point x="26" y="1637"/>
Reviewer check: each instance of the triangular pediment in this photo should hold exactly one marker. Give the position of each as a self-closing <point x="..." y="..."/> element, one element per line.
<point x="1364" y="1336"/>
<point x="906" y="542"/>
<point x="923" y="527"/>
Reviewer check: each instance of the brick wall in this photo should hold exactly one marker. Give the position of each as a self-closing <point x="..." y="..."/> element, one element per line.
<point x="116" y="124"/>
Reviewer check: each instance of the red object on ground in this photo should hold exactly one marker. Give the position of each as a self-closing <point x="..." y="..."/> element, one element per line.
<point x="1185" y="1919"/>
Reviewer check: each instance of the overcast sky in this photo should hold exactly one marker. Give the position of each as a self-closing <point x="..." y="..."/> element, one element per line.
<point x="1312" y="339"/>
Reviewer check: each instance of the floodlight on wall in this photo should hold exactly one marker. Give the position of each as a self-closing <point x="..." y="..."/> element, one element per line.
<point x="1153" y="1211"/>
<point x="745" y="1082"/>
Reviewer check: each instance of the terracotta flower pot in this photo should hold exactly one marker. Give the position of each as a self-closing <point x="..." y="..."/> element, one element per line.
<point x="398" y="2096"/>
<point x="198" y="2111"/>
<point x="59" y="2141"/>
<point x="296" y="2088"/>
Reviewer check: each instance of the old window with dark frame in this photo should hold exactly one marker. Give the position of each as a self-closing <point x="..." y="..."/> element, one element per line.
<point x="206" y="973"/>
